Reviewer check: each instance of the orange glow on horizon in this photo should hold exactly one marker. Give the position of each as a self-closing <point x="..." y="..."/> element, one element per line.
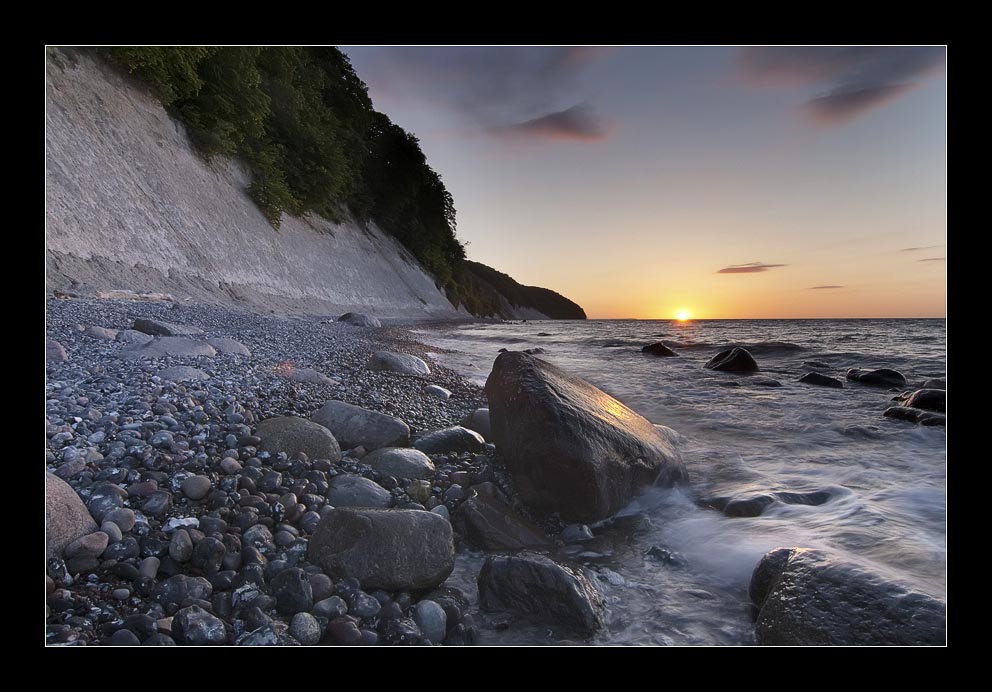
<point x="683" y="315"/>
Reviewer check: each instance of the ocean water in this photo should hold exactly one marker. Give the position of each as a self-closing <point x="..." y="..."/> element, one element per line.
<point x="886" y="479"/>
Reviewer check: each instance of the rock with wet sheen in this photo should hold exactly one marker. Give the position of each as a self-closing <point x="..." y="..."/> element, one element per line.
<point x="882" y="377"/>
<point x="734" y="359"/>
<point x="821" y="380"/>
<point x="455" y="439"/>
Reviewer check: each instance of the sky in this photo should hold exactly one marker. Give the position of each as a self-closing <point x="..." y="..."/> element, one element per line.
<point x="718" y="182"/>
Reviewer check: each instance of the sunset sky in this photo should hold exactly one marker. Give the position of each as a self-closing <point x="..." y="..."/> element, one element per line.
<point x="725" y="182"/>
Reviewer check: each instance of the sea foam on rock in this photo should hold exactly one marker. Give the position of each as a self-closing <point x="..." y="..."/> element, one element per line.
<point x="570" y="447"/>
<point x="813" y="598"/>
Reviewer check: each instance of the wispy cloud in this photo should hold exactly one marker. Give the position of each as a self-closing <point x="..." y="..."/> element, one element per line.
<point x="750" y="268"/>
<point x="925" y="247"/>
<point x="933" y="259"/>
<point x="575" y="123"/>
<point x="817" y="288"/>
<point x="852" y="79"/>
<point x="533" y="91"/>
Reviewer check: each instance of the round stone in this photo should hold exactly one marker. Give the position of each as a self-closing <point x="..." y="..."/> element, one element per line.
<point x="196" y="487"/>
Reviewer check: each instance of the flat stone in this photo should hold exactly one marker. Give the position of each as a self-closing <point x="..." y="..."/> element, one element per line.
<point x="293" y="435"/>
<point x="354" y="426"/>
<point x="928" y="400"/>
<point x="168" y="346"/>
<point x="133" y="336"/>
<point x="401" y="462"/>
<point x="390" y="549"/>
<point x="915" y="415"/>
<point x="357" y="319"/>
<point x="55" y="352"/>
<point x="437" y="392"/>
<point x="355" y="491"/>
<point x="162" y="328"/>
<point x="311" y="376"/>
<point x="813" y="598"/>
<point x="66" y="517"/>
<point x="224" y="344"/>
<point x="542" y="590"/>
<point x="101" y="333"/>
<point x="455" y="439"/>
<point x="182" y="373"/>
<point x="90" y="545"/>
<point x="401" y="363"/>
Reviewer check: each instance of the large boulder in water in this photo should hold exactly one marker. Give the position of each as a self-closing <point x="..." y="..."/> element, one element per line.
<point x="391" y="549"/>
<point x="542" y="590"/>
<point x="570" y="447"/>
<point x="659" y="349"/>
<point x="812" y="598"/>
<point x="883" y="377"/>
<point x="734" y="359"/>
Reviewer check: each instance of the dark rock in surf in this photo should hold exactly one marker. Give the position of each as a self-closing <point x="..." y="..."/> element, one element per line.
<point x="570" y="447"/>
<point x="915" y="415"/>
<point x="539" y="589"/>
<point x="821" y="380"/>
<point x="659" y="349"/>
<point x="734" y="359"/>
<point x="935" y="383"/>
<point x="928" y="400"/>
<point x="883" y="377"/>
<point x="491" y="524"/>
<point x="813" y="598"/>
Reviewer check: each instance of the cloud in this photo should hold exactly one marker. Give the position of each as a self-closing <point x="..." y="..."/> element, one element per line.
<point x="750" y="268"/>
<point x="925" y="247"/>
<point x="816" y="288"/>
<point x="497" y="90"/>
<point x="852" y="79"/>
<point x="933" y="259"/>
<point x="575" y="123"/>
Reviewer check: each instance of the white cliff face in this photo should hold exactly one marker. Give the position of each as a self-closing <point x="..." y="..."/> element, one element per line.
<point x="130" y="205"/>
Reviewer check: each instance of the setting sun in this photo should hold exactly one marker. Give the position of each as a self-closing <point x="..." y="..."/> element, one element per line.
<point x="683" y="315"/>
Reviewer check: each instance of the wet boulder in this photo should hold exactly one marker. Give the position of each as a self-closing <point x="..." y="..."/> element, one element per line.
<point x="928" y="400"/>
<point x="489" y="523"/>
<point x="402" y="363"/>
<point x="915" y="415"/>
<point x="882" y="377"/>
<point x="570" y="447"/>
<point x="821" y="380"/>
<point x="354" y="426"/>
<point x="734" y="359"/>
<point x="456" y="439"/>
<point x="659" y="349"/>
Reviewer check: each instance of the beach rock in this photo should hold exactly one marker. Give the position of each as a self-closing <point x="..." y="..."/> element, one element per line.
<point x="490" y="524"/>
<point x="928" y="400"/>
<point x="90" y="545"/>
<point x="66" y="517"/>
<point x="883" y="377"/>
<point x="161" y="328"/>
<point x="196" y="487"/>
<point x="224" y="344"/>
<point x="437" y="392"/>
<point x="310" y="376"/>
<point x="292" y="435"/>
<point x="431" y="620"/>
<point x="821" y="380"/>
<point x="55" y="352"/>
<point x="168" y="346"/>
<point x="178" y="588"/>
<point x="196" y="627"/>
<point x="124" y="638"/>
<point x="353" y="426"/>
<point x="305" y="629"/>
<point x="357" y="319"/>
<point x="915" y="415"/>
<point x="391" y="549"/>
<point x="419" y="490"/>
<point x="935" y="383"/>
<point x="133" y="336"/>
<point x="813" y="598"/>
<point x="292" y="591"/>
<point x="734" y="359"/>
<point x="401" y="462"/>
<point x="181" y="546"/>
<point x="402" y="363"/>
<point x="456" y="439"/>
<point x="101" y="333"/>
<point x="659" y="349"/>
<point x="122" y="516"/>
<point x="570" y="447"/>
<point x="182" y="373"/>
<point x="478" y="421"/>
<point x="355" y="491"/>
<point x="539" y="589"/>
<point x="766" y="382"/>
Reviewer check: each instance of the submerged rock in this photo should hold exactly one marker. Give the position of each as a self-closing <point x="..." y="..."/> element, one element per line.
<point x="539" y="589"/>
<point x="935" y="383"/>
<point x="734" y="359"/>
<point x="883" y="377"/>
<point x="402" y="363"/>
<point x="292" y="435"/>
<point x="659" y="349"/>
<point x="812" y="598"/>
<point x="357" y="319"/>
<point x="928" y="400"/>
<point x="821" y="380"/>
<point x="915" y="415"/>
<point x="391" y="549"/>
<point x="570" y="447"/>
<point x="354" y="426"/>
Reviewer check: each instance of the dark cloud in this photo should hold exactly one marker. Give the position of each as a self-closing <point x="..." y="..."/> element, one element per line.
<point x="495" y="89"/>
<point x="854" y="79"/>
<point x="925" y="247"/>
<point x="816" y="288"/>
<point x="575" y="123"/>
<point x="933" y="259"/>
<point x="750" y="268"/>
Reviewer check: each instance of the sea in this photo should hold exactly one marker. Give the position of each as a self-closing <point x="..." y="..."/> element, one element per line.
<point x="675" y="572"/>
